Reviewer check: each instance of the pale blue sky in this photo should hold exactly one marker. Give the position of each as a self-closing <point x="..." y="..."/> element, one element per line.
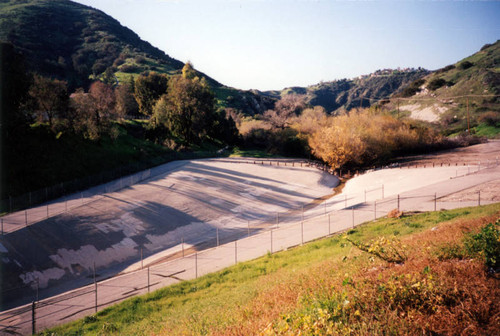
<point x="258" y="44"/>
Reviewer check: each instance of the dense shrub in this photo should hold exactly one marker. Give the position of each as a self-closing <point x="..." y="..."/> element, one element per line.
<point x="486" y="46"/>
<point x="446" y="68"/>
<point x="129" y="68"/>
<point x="490" y="118"/>
<point x="118" y="62"/>
<point x="365" y="138"/>
<point x="436" y="84"/>
<point x="140" y="60"/>
<point x="485" y="244"/>
<point x="465" y="65"/>
<point x="413" y="88"/>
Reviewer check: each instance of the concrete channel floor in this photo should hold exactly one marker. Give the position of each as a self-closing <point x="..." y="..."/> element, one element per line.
<point x="263" y="192"/>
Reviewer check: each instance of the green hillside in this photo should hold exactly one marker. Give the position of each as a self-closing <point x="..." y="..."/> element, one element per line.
<point x="465" y="91"/>
<point x="76" y="43"/>
<point x="70" y="41"/>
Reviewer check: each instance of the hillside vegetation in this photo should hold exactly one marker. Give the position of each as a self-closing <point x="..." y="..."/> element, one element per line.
<point x="74" y="42"/>
<point x="443" y="282"/>
<point x="50" y="136"/>
<point x="461" y="95"/>
<point x="80" y="82"/>
<point x="345" y="94"/>
<point x="77" y="43"/>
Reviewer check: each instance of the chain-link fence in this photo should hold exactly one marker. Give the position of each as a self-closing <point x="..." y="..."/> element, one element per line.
<point x="222" y="248"/>
<point x="63" y="189"/>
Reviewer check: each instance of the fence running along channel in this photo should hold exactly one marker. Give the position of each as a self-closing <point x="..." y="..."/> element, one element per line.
<point x="295" y="227"/>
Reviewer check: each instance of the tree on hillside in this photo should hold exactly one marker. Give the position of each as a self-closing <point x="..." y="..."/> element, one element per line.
<point x="109" y="76"/>
<point x="148" y="89"/>
<point x="287" y="107"/>
<point x="188" y="71"/>
<point x="224" y="128"/>
<point x="187" y="110"/>
<point x="310" y="120"/>
<point x="104" y="100"/>
<point x="126" y="105"/>
<point x="50" y="98"/>
<point x="94" y="110"/>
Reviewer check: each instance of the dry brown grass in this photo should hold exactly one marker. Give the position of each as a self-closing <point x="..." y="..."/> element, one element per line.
<point x="427" y="295"/>
<point x="394" y="213"/>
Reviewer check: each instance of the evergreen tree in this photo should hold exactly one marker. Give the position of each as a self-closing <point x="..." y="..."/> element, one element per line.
<point x="148" y="89"/>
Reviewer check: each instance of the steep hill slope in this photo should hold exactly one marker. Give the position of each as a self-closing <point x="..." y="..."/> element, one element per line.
<point x="363" y="91"/>
<point x="77" y="43"/>
<point x="64" y="39"/>
<point x="465" y="90"/>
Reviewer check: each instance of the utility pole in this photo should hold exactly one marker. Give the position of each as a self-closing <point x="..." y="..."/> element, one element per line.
<point x="468" y="119"/>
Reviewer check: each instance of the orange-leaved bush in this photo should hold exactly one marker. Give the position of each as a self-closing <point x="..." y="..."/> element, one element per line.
<point x="365" y="137"/>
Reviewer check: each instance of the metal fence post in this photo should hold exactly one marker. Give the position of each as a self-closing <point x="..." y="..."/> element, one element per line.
<point x="271" y="241"/>
<point x="329" y="228"/>
<point x="479" y="197"/>
<point x="353" y="217"/>
<point x="33" y="318"/>
<point x="26" y="216"/>
<point x="435" y="201"/>
<point x="398" y="202"/>
<point x="196" y="264"/>
<point x="217" y="234"/>
<point x="95" y="287"/>
<point x="302" y="232"/>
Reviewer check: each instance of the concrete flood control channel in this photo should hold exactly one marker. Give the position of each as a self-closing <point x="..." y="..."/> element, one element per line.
<point x="186" y="201"/>
<point x="290" y="225"/>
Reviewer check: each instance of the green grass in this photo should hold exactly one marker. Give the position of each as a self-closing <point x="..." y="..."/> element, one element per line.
<point x="488" y="131"/>
<point x="213" y="302"/>
<point x="256" y="153"/>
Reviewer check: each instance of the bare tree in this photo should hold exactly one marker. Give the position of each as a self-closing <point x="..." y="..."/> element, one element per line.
<point x="287" y="107"/>
<point x="50" y="97"/>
